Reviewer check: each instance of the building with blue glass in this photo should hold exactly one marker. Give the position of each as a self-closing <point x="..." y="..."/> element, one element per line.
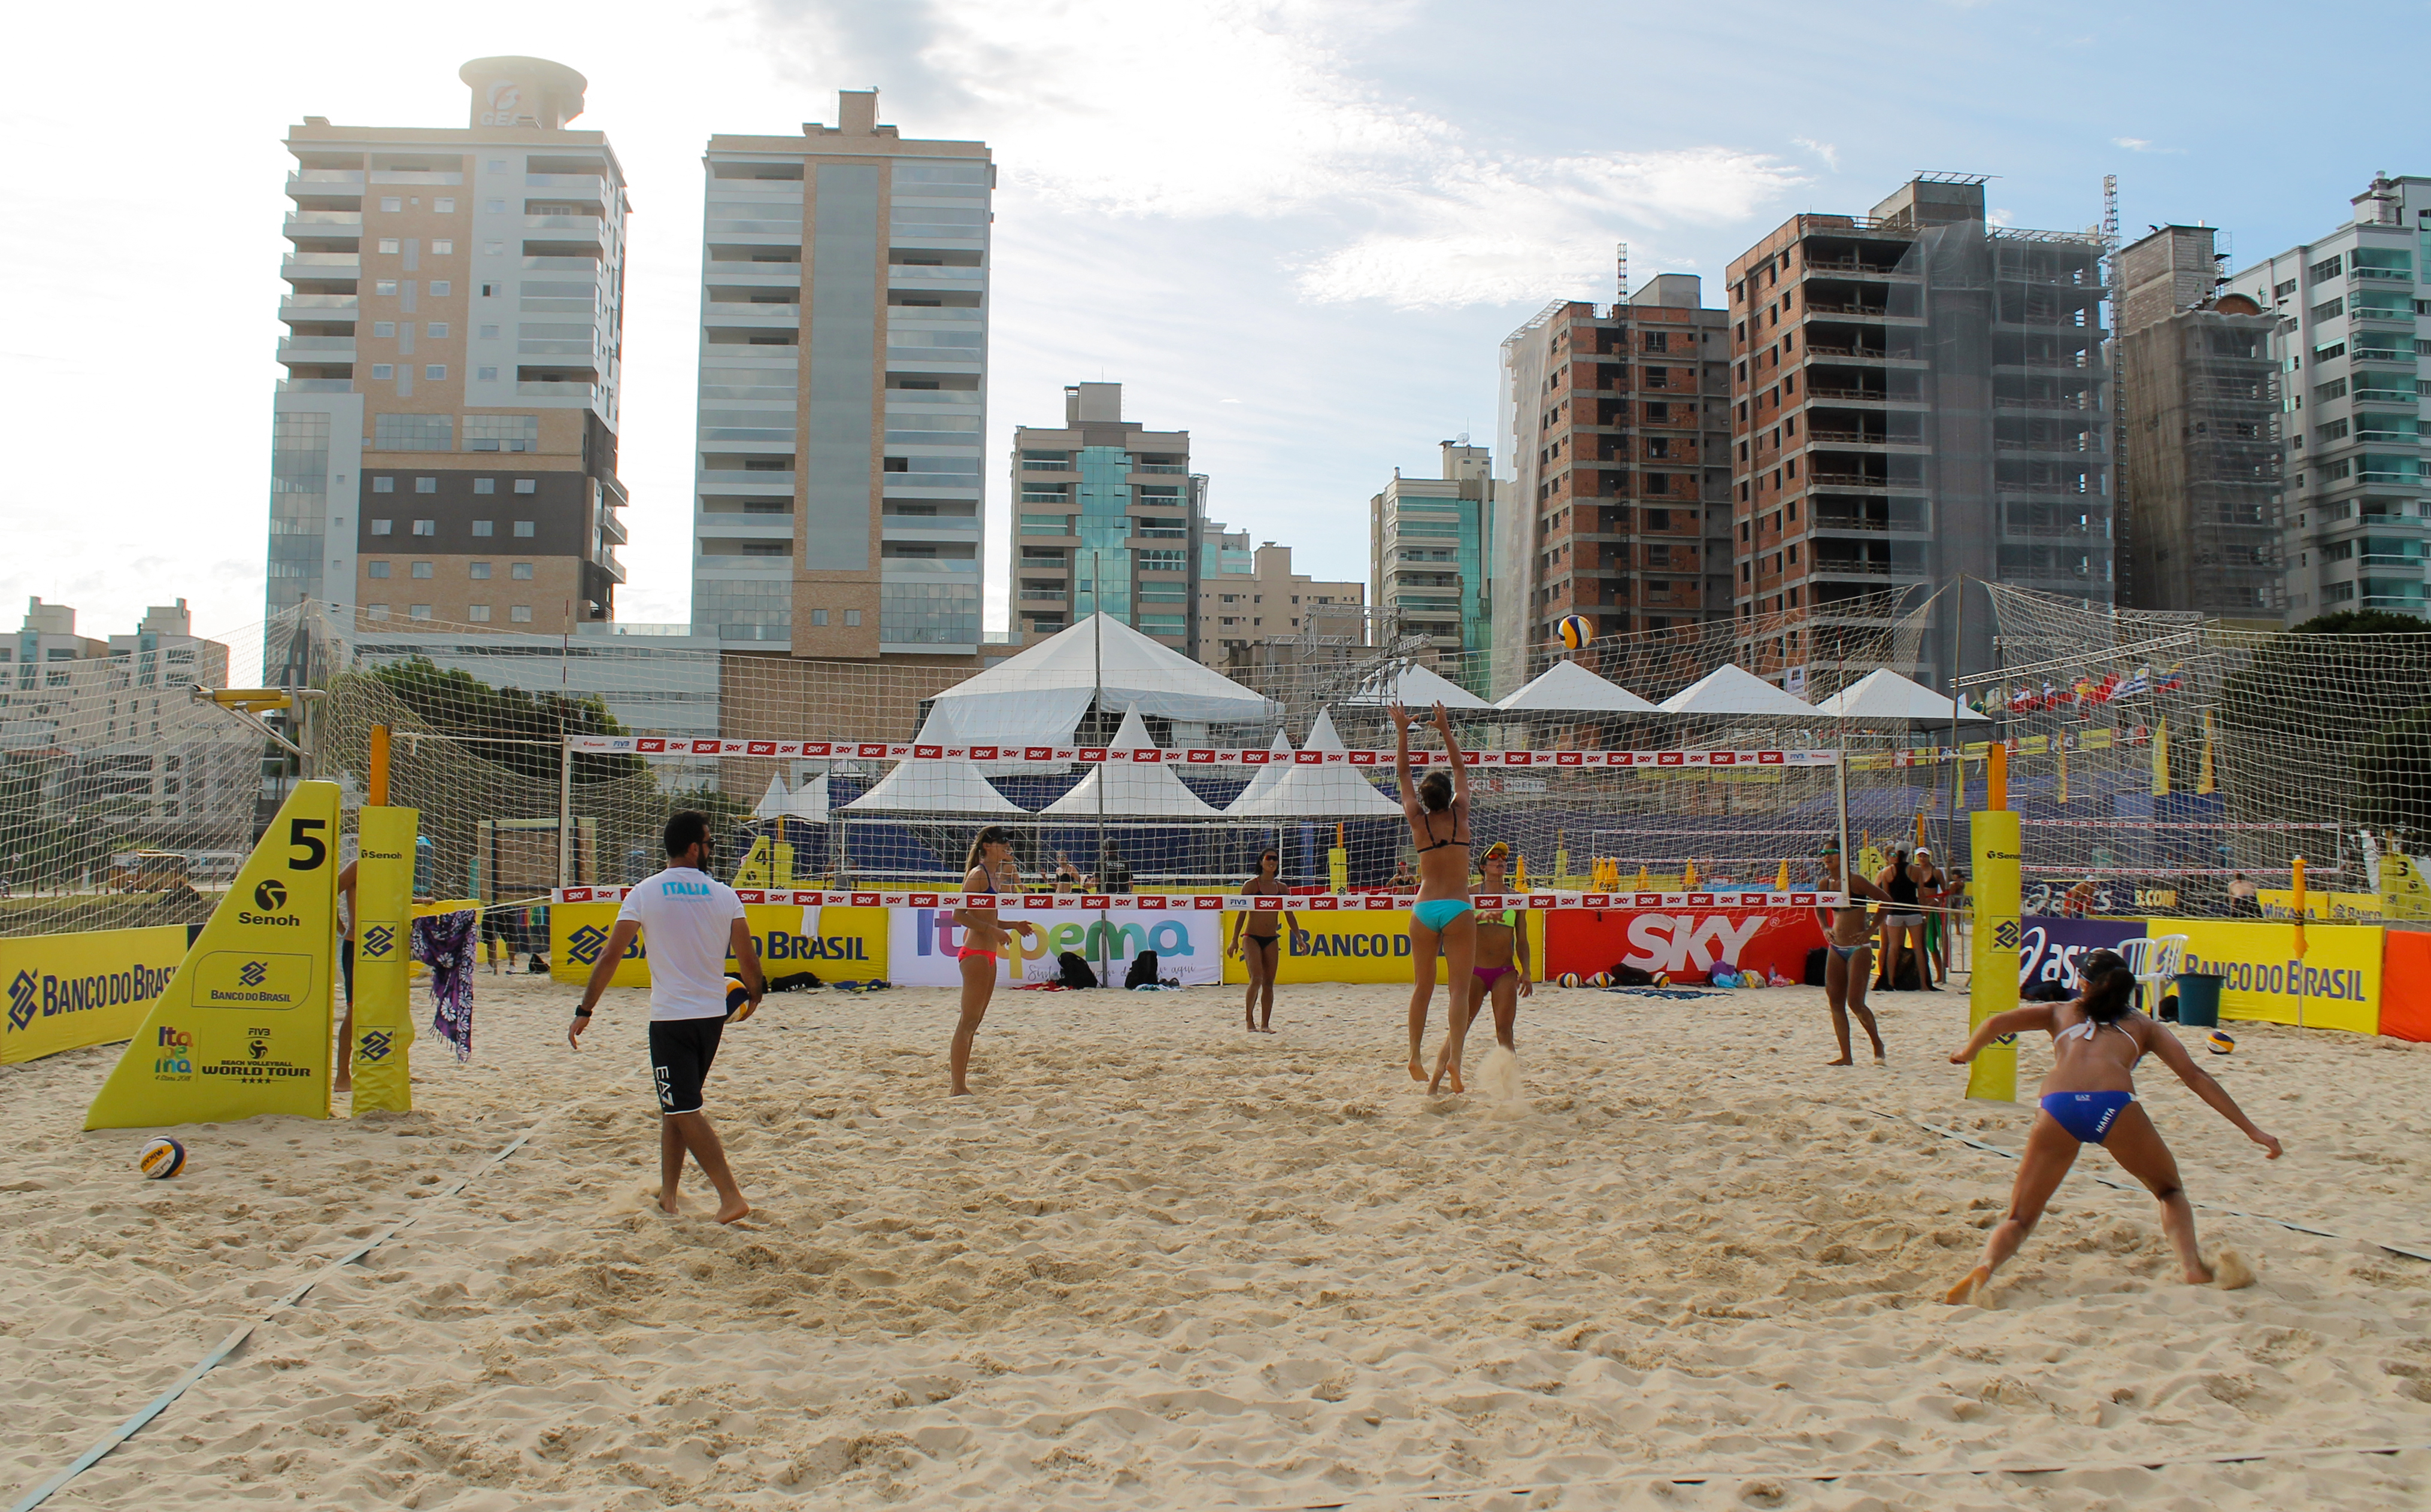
<point x="1431" y="551"/>
<point x="1106" y="513"/>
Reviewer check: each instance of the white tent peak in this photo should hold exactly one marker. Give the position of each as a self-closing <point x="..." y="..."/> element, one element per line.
<point x="772" y="803"/>
<point x="1317" y="791"/>
<point x="1885" y="694"/>
<point x="1267" y="775"/>
<point x="1130" y="789"/>
<point x="1567" y="688"/>
<point x="1415" y="687"/>
<point x="953" y="786"/>
<point x="809" y="801"/>
<point x="1037" y="696"/>
<point x="1731" y="688"/>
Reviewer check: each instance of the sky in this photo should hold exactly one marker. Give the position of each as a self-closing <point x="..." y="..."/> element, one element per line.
<point x="1298" y="230"/>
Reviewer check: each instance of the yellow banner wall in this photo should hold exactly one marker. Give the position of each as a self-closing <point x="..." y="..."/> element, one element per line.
<point x="243" y="1028"/>
<point x="1993" y="986"/>
<point x="850" y="945"/>
<point x="65" y="991"/>
<point x="2346" y="908"/>
<point x="1355" y="946"/>
<point x="2340" y="972"/>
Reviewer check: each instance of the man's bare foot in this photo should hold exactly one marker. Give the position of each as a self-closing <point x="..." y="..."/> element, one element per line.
<point x="1965" y="1292"/>
<point x="733" y="1209"/>
<point x="1844" y="1060"/>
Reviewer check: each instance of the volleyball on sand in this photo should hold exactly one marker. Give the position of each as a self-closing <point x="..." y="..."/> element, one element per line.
<point x="161" y="1159"/>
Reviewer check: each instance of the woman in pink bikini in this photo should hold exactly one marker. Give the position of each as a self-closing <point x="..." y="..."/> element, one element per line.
<point x="1501" y="970"/>
<point x="990" y="868"/>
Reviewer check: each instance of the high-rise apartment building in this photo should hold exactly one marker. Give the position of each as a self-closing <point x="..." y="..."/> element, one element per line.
<point x="1614" y="438"/>
<point x="444" y="443"/>
<point x="1270" y="602"/>
<point x="2353" y="329"/>
<point x="1431" y="551"/>
<point x="1106" y="514"/>
<point x="1915" y="394"/>
<point x="2198" y="525"/>
<point x="843" y="391"/>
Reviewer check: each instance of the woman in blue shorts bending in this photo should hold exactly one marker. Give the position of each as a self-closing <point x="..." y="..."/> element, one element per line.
<point x="1437" y="809"/>
<point x="2089" y="1098"/>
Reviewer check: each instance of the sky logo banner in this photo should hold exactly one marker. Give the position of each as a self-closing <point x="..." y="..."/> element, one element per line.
<point x="249" y="1007"/>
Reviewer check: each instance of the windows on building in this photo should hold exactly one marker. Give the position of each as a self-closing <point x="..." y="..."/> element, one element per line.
<point x="376" y="569"/>
<point x="392" y="204"/>
<point x="414" y="433"/>
<point x="480" y="570"/>
<point x="383" y="372"/>
<point x="478" y="613"/>
<point x="389" y="246"/>
<point x="524" y="529"/>
<point x="426" y="527"/>
<point x="419" y="611"/>
<point x="521" y="572"/>
<point x="425" y="485"/>
<point x="526" y="484"/>
<point x="520" y="614"/>
<point x="383" y="330"/>
<point x="422" y="569"/>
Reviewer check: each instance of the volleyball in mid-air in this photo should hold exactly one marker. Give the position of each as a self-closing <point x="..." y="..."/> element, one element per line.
<point x="738" y="1001"/>
<point x="2221" y="1042"/>
<point x="1567" y="979"/>
<point x="1574" y="630"/>
<point x="160" y="1159"/>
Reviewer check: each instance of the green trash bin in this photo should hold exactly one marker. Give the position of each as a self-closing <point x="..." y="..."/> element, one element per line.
<point x="2199" y="999"/>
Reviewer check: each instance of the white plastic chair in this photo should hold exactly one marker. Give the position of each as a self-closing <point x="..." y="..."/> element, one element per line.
<point x="2153" y="960"/>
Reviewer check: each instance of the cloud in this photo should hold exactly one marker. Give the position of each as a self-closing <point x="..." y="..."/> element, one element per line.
<point x="1246" y="109"/>
<point x="2139" y="145"/>
<point x="1824" y="150"/>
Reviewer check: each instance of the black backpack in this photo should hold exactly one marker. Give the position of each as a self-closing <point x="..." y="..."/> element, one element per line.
<point x="1076" y="970"/>
<point x="1624" y="974"/>
<point x="1817" y="960"/>
<point x="1142" y="972"/>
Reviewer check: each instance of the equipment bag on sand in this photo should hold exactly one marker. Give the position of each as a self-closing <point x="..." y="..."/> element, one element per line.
<point x="1142" y="972"/>
<point x="1076" y="972"/>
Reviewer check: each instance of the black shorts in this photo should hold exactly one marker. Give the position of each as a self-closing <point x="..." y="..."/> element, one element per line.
<point x="681" y="1051"/>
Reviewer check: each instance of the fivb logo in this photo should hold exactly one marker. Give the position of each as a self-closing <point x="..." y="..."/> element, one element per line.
<point x="23" y="995"/>
<point x="378" y="940"/>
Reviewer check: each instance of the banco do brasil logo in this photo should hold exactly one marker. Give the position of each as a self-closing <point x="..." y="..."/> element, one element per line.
<point x="253" y="973"/>
<point x="22" y="993"/>
<point x="270" y="895"/>
<point x="2005" y="935"/>
<point x="377" y="941"/>
<point x="583" y="944"/>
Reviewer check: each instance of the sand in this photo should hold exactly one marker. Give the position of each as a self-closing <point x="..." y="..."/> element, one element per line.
<point x="1158" y="1262"/>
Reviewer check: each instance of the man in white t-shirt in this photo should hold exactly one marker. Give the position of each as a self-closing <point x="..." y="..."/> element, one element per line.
<point x="692" y="923"/>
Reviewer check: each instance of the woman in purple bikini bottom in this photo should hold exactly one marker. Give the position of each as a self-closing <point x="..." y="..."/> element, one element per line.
<point x="1501" y="970"/>
<point x="2089" y="1098"/>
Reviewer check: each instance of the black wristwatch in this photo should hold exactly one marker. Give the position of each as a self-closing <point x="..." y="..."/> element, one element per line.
<point x="582" y="1013"/>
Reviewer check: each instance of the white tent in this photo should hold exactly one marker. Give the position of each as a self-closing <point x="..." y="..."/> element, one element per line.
<point x="1567" y="688"/>
<point x="1731" y="688"/>
<point x="1415" y="687"/>
<point x="1266" y="776"/>
<point x="953" y="786"/>
<point x="1886" y="696"/>
<point x="772" y="803"/>
<point x="809" y="801"/>
<point x="1037" y="697"/>
<point x="1334" y="791"/>
<point x="1130" y="790"/>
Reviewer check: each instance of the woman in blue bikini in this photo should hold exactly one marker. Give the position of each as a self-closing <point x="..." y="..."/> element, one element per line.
<point x="2089" y="1098"/>
<point x="1437" y="809"/>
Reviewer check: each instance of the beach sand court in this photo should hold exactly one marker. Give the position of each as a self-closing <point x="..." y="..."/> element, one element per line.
<point x="1158" y="1262"/>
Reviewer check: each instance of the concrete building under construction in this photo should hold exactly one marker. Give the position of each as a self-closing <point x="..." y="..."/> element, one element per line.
<point x="2198" y="519"/>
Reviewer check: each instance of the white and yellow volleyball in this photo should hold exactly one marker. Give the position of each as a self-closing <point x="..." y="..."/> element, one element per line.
<point x="160" y="1159"/>
<point x="1574" y="631"/>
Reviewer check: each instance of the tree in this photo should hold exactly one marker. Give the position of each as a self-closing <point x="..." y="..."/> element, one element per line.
<point x="2392" y="791"/>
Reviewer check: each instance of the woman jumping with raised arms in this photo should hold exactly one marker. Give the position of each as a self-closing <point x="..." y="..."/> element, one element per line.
<point x="990" y="868"/>
<point x="1261" y="933"/>
<point x="1437" y="809"/>
<point x="2089" y="1098"/>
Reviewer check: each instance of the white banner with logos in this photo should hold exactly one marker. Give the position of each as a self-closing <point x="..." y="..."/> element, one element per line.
<point x="1189" y="945"/>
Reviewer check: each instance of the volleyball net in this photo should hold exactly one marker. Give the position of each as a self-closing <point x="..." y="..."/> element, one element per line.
<point x="2166" y="760"/>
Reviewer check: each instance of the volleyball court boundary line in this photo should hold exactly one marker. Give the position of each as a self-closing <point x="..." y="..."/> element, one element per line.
<point x="219" y="1353"/>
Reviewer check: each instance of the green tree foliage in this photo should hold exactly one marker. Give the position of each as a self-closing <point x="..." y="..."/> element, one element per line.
<point x="2312" y="706"/>
<point x="498" y="723"/>
<point x="2392" y="777"/>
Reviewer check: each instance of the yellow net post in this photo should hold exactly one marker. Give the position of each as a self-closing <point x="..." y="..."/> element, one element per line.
<point x="1993" y="986"/>
<point x="383" y="941"/>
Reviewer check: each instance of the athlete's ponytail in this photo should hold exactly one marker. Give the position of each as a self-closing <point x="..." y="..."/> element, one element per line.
<point x="2109" y="986"/>
<point x="992" y="835"/>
